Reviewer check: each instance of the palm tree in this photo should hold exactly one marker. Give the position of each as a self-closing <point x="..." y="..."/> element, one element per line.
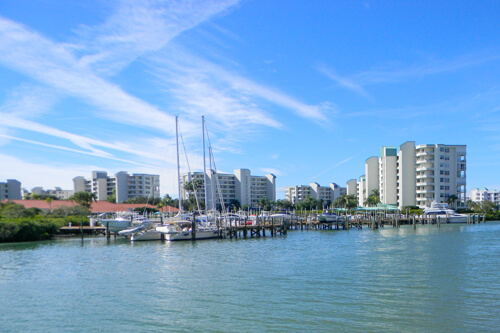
<point x="49" y="201"/>
<point x="84" y="199"/>
<point x="451" y="200"/>
<point x="372" y="201"/>
<point x="471" y="204"/>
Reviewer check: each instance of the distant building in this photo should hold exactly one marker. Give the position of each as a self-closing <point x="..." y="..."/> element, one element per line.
<point x="352" y="187"/>
<point x="483" y="194"/>
<point x="57" y="192"/>
<point x="411" y="175"/>
<point x="11" y="189"/>
<point x="242" y="186"/>
<point x="126" y="186"/>
<point x="328" y="194"/>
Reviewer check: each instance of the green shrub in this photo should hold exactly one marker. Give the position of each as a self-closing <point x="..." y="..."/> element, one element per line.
<point x="24" y="229"/>
<point x="70" y="211"/>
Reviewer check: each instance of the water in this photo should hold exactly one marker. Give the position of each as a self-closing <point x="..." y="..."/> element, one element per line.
<point x="431" y="279"/>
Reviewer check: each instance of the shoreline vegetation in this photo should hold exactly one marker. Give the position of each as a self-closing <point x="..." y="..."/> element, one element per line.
<point x="20" y="224"/>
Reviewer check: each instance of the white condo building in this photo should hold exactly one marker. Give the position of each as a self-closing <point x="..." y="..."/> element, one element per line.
<point x="242" y="186"/>
<point x="56" y="192"/>
<point x="11" y="190"/>
<point x="411" y="175"/>
<point x="126" y="186"/>
<point x="352" y="187"/>
<point x="298" y="193"/>
<point x="483" y="194"/>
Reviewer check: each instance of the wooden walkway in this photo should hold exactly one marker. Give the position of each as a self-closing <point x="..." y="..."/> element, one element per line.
<point x="280" y="226"/>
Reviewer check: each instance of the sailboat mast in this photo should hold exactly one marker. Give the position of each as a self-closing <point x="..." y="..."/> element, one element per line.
<point x="178" y="163"/>
<point x="204" y="165"/>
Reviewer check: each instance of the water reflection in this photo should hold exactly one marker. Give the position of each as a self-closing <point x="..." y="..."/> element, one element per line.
<point x="391" y="279"/>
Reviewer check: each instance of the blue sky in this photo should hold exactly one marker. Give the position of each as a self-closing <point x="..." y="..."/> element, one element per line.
<point x="307" y="90"/>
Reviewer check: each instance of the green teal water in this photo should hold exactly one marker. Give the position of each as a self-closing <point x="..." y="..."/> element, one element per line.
<point x="398" y="280"/>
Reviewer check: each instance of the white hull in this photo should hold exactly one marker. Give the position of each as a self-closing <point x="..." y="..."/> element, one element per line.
<point x="117" y="225"/>
<point x="186" y="235"/>
<point x="445" y="214"/>
<point x="452" y="219"/>
<point x="147" y="236"/>
<point x="172" y="233"/>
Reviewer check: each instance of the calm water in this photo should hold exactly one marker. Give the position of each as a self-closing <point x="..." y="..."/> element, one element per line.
<point x="431" y="279"/>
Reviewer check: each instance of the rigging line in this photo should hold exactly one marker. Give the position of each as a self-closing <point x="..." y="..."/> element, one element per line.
<point x="189" y="169"/>
<point x="217" y="184"/>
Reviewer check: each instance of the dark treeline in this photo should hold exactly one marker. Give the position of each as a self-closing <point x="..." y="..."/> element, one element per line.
<point x="20" y="224"/>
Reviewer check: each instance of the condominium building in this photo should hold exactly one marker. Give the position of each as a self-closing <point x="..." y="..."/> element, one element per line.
<point x="411" y="175"/>
<point x="124" y="185"/>
<point x="483" y="194"/>
<point x="440" y="173"/>
<point x="328" y="194"/>
<point x="56" y="192"/>
<point x="11" y="190"/>
<point x="352" y="187"/>
<point x="242" y="186"/>
<point x="361" y="190"/>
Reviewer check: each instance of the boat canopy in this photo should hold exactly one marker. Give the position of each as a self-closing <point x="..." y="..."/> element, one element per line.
<point x="380" y="207"/>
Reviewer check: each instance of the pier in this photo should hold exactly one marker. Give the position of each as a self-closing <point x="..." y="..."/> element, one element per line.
<point x="279" y="226"/>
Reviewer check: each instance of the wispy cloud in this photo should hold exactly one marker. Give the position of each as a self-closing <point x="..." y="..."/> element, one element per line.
<point x="394" y="73"/>
<point x="76" y="68"/>
<point x="234" y="103"/>
<point x="333" y="167"/>
<point x="88" y="144"/>
<point x="141" y="27"/>
<point x="273" y="171"/>
<point x="92" y="153"/>
<point x="31" y="54"/>
<point x="344" y="82"/>
<point x="474" y="106"/>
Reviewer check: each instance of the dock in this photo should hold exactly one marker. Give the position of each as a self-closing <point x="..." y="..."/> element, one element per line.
<point x="279" y="226"/>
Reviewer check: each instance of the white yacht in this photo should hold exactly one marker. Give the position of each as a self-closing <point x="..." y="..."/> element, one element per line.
<point x="118" y="221"/>
<point x="329" y="217"/>
<point x="446" y="214"/>
<point x="182" y="230"/>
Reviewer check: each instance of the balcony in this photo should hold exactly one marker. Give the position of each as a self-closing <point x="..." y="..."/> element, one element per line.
<point x="425" y="183"/>
<point x="425" y="152"/>
<point x="425" y="168"/>
<point x="424" y="191"/>
<point x="425" y="160"/>
<point x="426" y="175"/>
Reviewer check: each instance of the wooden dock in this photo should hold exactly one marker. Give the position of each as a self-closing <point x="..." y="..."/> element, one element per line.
<point x="77" y="230"/>
<point x="279" y="226"/>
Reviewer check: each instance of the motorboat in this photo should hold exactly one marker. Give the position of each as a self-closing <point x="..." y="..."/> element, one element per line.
<point x="118" y="221"/>
<point x="182" y="230"/>
<point x="444" y="213"/>
<point x="329" y="217"/>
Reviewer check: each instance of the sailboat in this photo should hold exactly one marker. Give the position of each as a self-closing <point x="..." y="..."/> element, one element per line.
<point x="198" y="228"/>
<point x="181" y="226"/>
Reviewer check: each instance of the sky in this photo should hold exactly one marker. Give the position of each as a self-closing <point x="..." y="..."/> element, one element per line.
<point x="306" y="90"/>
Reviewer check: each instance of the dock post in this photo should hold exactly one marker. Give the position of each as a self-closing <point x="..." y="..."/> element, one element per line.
<point x="439" y="221"/>
<point x="108" y="236"/>
<point x="81" y="229"/>
<point x="193" y="227"/>
<point x="484" y="218"/>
